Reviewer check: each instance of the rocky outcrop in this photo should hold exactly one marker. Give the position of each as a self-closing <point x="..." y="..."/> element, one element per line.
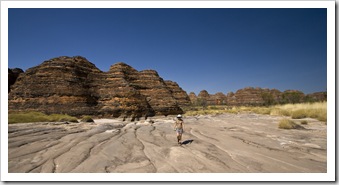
<point x="204" y="98"/>
<point x="316" y="97"/>
<point x="151" y="86"/>
<point x="117" y="97"/>
<point x="204" y="95"/>
<point x="178" y="93"/>
<point x="219" y="98"/>
<point x="251" y="96"/>
<point x="193" y="98"/>
<point x="59" y="85"/>
<point x="231" y="99"/>
<point x="75" y="86"/>
<point x="13" y="74"/>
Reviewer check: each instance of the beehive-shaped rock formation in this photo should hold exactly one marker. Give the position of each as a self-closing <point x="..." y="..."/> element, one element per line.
<point x="75" y="86"/>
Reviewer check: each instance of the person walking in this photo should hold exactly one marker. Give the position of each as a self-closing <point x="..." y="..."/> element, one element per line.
<point x="179" y="127"/>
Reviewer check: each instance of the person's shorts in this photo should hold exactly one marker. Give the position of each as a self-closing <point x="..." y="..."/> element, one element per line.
<point x="179" y="130"/>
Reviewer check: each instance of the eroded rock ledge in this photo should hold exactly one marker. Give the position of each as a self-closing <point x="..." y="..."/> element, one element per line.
<point x="227" y="143"/>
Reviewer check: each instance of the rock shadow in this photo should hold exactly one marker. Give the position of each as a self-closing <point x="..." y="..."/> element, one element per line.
<point x="187" y="142"/>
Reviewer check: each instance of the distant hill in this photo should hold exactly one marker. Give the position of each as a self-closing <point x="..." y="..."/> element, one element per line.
<point x="256" y="97"/>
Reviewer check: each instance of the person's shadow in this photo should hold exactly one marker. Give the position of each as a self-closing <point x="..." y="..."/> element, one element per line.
<point x="187" y="142"/>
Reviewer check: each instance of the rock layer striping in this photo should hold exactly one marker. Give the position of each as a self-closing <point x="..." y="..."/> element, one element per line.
<point x="75" y="86"/>
<point x="255" y="96"/>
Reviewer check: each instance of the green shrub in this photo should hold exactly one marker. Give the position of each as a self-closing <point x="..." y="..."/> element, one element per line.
<point x="87" y="119"/>
<point x="289" y="124"/>
<point x="63" y="118"/>
<point x="26" y="117"/>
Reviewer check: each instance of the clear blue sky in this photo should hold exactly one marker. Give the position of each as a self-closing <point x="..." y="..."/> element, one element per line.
<point x="219" y="50"/>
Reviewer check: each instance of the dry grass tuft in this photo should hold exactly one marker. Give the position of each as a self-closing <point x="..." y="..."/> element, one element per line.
<point x="299" y="114"/>
<point x="289" y="124"/>
<point x="87" y="119"/>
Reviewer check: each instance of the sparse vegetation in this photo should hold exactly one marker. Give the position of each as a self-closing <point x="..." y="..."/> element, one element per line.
<point x="261" y="110"/>
<point x="299" y="114"/>
<point x="289" y="124"/>
<point x="268" y="98"/>
<point x="295" y="111"/>
<point x="292" y="97"/>
<point x="316" y="110"/>
<point x="279" y="112"/>
<point x="30" y="117"/>
<point x="87" y="119"/>
<point x="204" y="112"/>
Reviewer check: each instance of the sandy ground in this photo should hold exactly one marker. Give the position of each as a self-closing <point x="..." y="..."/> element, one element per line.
<point x="224" y="143"/>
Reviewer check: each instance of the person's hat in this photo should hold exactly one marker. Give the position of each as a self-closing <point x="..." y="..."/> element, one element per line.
<point x="179" y="116"/>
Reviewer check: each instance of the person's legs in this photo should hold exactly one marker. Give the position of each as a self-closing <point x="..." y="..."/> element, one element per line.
<point x="179" y="135"/>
